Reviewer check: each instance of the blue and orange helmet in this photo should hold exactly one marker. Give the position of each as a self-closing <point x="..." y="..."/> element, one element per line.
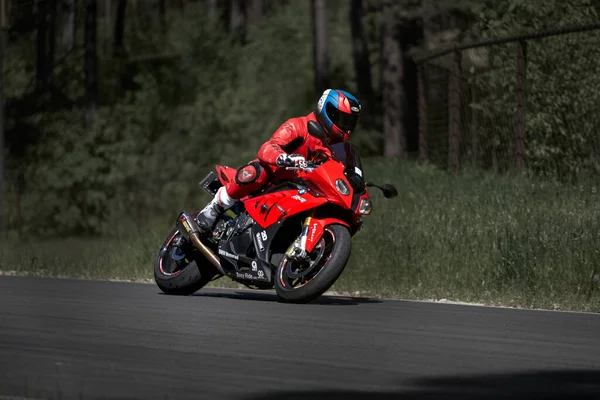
<point x="338" y="112"/>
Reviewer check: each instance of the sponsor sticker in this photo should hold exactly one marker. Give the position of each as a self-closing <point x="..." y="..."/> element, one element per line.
<point x="300" y="199"/>
<point x="244" y="275"/>
<point x="260" y="275"/>
<point x="314" y="230"/>
<point x="228" y="254"/>
<point x="260" y="242"/>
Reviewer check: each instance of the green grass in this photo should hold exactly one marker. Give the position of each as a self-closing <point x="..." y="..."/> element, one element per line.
<point x="474" y="237"/>
<point x="479" y="238"/>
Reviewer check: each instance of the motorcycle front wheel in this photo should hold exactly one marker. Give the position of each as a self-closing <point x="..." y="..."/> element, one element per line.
<point x="305" y="281"/>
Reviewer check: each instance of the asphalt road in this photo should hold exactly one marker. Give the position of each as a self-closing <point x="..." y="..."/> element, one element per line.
<point x="84" y="339"/>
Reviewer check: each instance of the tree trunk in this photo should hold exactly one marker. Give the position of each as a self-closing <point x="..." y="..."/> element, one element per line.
<point x="46" y="43"/>
<point x="41" y="36"/>
<point x="119" y="47"/>
<point x="108" y="24"/>
<point x="362" y="65"/>
<point x="320" y="45"/>
<point x="394" y="100"/>
<point x="256" y="11"/>
<point x="410" y="34"/>
<point x="3" y="28"/>
<point x="68" y="34"/>
<point x="162" y="12"/>
<point x="91" y="61"/>
<point x="237" y="19"/>
<point x="213" y="9"/>
<point x="51" y="41"/>
<point x="133" y="16"/>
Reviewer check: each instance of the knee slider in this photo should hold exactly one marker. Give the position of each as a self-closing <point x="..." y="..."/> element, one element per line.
<point x="248" y="173"/>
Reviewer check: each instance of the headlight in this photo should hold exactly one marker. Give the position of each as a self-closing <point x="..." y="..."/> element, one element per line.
<point x="341" y="187"/>
<point x="365" y="207"/>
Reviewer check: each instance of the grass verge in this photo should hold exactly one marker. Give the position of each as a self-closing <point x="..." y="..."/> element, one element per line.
<point x="473" y="237"/>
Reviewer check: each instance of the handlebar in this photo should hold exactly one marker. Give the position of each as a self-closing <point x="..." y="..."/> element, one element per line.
<point x="317" y="159"/>
<point x="306" y="166"/>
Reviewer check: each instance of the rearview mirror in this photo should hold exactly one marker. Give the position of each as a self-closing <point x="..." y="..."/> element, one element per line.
<point x="314" y="129"/>
<point x="389" y="190"/>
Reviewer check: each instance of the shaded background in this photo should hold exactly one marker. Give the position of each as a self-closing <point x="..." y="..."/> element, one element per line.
<point x="115" y="109"/>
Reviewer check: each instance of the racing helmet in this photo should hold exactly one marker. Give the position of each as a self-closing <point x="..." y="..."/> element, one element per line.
<point x="338" y="112"/>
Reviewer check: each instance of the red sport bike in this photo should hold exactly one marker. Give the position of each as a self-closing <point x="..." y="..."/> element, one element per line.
<point x="294" y="234"/>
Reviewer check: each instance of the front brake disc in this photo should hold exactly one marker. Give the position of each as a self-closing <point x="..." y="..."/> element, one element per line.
<point x="312" y="262"/>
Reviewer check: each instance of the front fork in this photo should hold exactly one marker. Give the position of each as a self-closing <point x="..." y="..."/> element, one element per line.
<point x="298" y="249"/>
<point x="312" y="232"/>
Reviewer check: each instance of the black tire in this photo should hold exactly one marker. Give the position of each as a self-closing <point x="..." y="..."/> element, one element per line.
<point x="325" y="277"/>
<point x="192" y="277"/>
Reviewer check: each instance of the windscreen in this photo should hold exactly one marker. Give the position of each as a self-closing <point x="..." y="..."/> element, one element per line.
<point x="347" y="153"/>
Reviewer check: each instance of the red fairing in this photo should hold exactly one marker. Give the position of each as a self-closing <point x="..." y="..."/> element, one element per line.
<point x="269" y="209"/>
<point x="226" y="174"/>
<point x="272" y="207"/>
<point x="316" y="229"/>
<point x="291" y="137"/>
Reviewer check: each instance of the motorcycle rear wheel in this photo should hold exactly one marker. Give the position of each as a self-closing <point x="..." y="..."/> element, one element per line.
<point x="181" y="272"/>
<point x="296" y="283"/>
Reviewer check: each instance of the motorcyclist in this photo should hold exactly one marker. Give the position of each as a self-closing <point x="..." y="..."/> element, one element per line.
<point x="337" y="112"/>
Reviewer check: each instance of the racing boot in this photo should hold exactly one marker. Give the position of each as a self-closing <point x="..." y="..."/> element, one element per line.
<point x="217" y="206"/>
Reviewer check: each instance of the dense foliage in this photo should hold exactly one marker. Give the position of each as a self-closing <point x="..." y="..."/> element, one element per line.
<point x="186" y="94"/>
<point x="197" y="98"/>
<point x="561" y="74"/>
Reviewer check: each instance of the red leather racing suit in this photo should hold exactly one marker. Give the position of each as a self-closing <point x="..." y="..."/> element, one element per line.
<point x="291" y="137"/>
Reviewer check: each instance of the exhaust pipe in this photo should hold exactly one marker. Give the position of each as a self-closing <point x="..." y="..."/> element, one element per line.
<point x="188" y="226"/>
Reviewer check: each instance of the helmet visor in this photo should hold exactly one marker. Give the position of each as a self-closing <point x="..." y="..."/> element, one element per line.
<point x="344" y="121"/>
